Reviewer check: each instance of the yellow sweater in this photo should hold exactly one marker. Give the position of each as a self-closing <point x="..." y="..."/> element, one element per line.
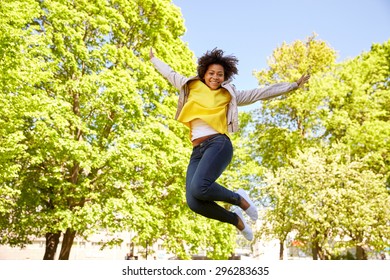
<point x="206" y="104"/>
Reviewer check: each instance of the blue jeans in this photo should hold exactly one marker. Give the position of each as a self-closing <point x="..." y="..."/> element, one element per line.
<point x="208" y="161"/>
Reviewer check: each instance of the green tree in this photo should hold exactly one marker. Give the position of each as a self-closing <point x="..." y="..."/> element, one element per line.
<point x="88" y="136"/>
<point x="344" y="103"/>
<point x="283" y="126"/>
<point x="335" y="203"/>
<point x="358" y="117"/>
<point x="358" y="106"/>
<point x="18" y="99"/>
<point x="291" y="122"/>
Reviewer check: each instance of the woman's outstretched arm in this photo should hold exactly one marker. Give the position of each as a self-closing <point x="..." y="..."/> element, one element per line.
<point x="176" y="79"/>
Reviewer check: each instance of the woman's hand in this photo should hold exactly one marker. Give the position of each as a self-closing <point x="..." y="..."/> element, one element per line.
<point x="303" y="80"/>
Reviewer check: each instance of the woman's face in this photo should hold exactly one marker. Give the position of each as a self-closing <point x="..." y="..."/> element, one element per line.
<point x="214" y="76"/>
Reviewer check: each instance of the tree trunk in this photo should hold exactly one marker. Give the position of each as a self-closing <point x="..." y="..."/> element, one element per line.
<point x="315" y="250"/>
<point x="281" y="250"/>
<point x="67" y="243"/>
<point x="52" y="240"/>
<point x="321" y="253"/>
<point x="360" y="253"/>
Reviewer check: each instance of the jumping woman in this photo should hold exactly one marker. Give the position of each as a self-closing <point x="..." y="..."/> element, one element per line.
<point x="208" y="106"/>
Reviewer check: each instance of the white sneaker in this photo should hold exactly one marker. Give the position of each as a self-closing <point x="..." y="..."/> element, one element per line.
<point x="247" y="231"/>
<point x="252" y="210"/>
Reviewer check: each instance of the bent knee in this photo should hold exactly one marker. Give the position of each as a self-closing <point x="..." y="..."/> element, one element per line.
<point x="200" y="192"/>
<point x="195" y="205"/>
<point x="199" y="189"/>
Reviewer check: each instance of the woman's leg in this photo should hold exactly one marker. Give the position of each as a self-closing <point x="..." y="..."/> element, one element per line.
<point x="207" y="163"/>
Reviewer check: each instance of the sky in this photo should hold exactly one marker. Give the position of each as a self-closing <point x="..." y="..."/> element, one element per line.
<point x="252" y="29"/>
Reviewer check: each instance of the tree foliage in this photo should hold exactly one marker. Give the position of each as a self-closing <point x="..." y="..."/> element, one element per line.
<point x="326" y="150"/>
<point x="329" y="202"/>
<point x="293" y="121"/>
<point x="88" y="140"/>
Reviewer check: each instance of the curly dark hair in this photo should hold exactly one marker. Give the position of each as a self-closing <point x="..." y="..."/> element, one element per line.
<point x="229" y="63"/>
